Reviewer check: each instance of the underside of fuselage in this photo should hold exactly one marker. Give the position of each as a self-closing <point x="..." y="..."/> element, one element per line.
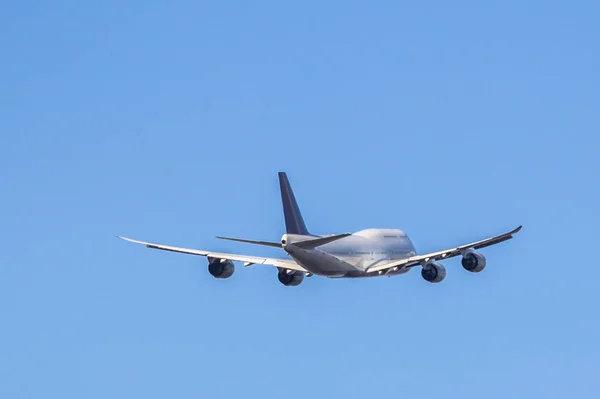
<point x="351" y="256"/>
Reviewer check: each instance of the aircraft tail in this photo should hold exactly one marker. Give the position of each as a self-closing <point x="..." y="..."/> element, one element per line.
<point x="265" y="243"/>
<point x="294" y="224"/>
<point x="317" y="242"/>
<point x="302" y="243"/>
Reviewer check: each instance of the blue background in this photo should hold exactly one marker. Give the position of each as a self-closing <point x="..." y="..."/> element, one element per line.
<point x="168" y="122"/>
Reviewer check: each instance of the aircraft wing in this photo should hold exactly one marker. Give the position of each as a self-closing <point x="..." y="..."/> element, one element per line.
<point x="445" y="254"/>
<point x="248" y="260"/>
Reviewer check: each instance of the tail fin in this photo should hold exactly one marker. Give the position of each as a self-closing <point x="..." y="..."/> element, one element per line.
<point x="294" y="224"/>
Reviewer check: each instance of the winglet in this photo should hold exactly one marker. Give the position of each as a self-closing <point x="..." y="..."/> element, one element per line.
<point x="498" y="239"/>
<point x="148" y="244"/>
<point x="131" y="240"/>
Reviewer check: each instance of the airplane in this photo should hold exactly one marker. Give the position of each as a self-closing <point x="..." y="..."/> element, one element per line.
<point x="366" y="253"/>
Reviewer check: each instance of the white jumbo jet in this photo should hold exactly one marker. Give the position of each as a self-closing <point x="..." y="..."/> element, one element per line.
<point x="367" y="253"/>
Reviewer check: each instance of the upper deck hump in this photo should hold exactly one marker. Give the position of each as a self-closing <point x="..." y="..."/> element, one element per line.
<point x="381" y="233"/>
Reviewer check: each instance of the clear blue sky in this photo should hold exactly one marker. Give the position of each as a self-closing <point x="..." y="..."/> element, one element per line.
<point x="168" y="122"/>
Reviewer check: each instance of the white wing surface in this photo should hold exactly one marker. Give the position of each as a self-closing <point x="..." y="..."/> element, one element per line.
<point x="445" y="254"/>
<point x="246" y="259"/>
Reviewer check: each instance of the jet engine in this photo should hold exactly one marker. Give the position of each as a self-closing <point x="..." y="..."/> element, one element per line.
<point x="473" y="261"/>
<point x="221" y="269"/>
<point x="291" y="278"/>
<point x="433" y="272"/>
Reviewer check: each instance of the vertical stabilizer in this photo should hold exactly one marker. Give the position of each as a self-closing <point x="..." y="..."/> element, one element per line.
<point x="294" y="224"/>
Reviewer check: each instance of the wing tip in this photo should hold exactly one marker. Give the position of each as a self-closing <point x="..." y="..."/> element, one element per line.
<point x="132" y="240"/>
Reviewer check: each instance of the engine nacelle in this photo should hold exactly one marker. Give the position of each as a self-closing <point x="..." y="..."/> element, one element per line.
<point x="433" y="272"/>
<point x="473" y="261"/>
<point x="221" y="269"/>
<point x="290" y="279"/>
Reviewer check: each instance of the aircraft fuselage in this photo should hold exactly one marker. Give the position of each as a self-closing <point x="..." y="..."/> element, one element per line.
<point x="352" y="255"/>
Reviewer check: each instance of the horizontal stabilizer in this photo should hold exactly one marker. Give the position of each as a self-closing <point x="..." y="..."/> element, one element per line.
<point x="309" y="244"/>
<point x="265" y="243"/>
